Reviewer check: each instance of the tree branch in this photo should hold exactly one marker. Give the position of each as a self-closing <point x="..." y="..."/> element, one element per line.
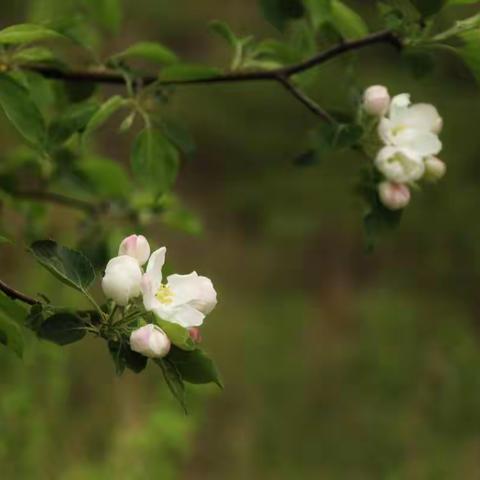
<point x="58" y="199"/>
<point x="16" y="295"/>
<point x="278" y="74"/>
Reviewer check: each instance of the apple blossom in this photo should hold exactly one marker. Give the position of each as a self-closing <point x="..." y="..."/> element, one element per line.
<point x="151" y="341"/>
<point x="183" y="299"/>
<point x="400" y="165"/>
<point x="376" y="100"/>
<point x="122" y="278"/>
<point x="135" y="246"/>
<point x="435" y="169"/>
<point x="414" y="127"/>
<point x="394" y="196"/>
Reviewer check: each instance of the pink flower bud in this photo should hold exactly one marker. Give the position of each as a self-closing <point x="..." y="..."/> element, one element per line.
<point x="150" y="341"/>
<point x="195" y="334"/>
<point x="135" y="246"/>
<point x="394" y="196"/>
<point x="376" y="100"/>
<point x="435" y="169"/>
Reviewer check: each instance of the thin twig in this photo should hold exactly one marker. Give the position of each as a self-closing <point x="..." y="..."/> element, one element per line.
<point x="306" y="100"/>
<point x="16" y="295"/>
<point x="112" y="77"/>
<point x="58" y="199"/>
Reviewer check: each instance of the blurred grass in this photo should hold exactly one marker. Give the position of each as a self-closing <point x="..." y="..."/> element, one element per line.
<point x="337" y="364"/>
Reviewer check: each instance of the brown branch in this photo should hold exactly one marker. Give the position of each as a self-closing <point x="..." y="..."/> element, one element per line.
<point x="16" y="295"/>
<point x="58" y="199"/>
<point x="278" y="74"/>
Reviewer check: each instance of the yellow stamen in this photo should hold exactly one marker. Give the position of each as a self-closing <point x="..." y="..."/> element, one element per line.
<point x="165" y="294"/>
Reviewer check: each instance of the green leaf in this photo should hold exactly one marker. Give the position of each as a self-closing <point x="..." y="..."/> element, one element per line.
<point x="180" y="136"/>
<point x="108" y="13"/>
<point x="177" y="334"/>
<point x="470" y="51"/>
<point x="280" y="12"/>
<point x="429" y="7"/>
<point x="11" y="335"/>
<point x="74" y="119"/>
<point x="11" y="309"/>
<point x="346" y="21"/>
<point x="174" y="380"/>
<point x="123" y="356"/>
<point x="34" y="55"/>
<point x="69" y="266"/>
<point x="194" y="366"/>
<point x="185" y="72"/>
<point x="107" y="177"/>
<point x="21" y="110"/>
<point x="152" y="51"/>
<point x="154" y="160"/>
<point x="27" y="33"/>
<point x="62" y="329"/>
<point x="12" y="317"/>
<point x="223" y="30"/>
<point x="106" y="110"/>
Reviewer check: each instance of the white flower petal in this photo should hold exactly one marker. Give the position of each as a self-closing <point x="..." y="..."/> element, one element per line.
<point x="421" y="142"/>
<point x="423" y="116"/>
<point x="399" y="106"/>
<point x="186" y="316"/>
<point x="150" y="301"/>
<point x="155" y="265"/>
<point x="122" y="278"/>
<point x="399" y="165"/>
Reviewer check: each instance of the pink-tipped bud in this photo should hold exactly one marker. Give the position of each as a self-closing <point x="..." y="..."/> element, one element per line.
<point x="195" y="334"/>
<point x="376" y="100"/>
<point x="394" y="196"/>
<point x="150" y="341"/>
<point x="135" y="246"/>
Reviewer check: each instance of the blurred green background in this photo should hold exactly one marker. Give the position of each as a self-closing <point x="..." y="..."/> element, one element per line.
<point x="338" y="364"/>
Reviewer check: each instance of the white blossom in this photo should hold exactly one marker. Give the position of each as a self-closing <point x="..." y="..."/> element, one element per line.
<point x="135" y="246"/>
<point x="376" y="100"/>
<point x="394" y="196"/>
<point x="122" y="279"/>
<point x="150" y="341"/>
<point x="400" y="165"/>
<point x="414" y="127"/>
<point x="183" y="299"/>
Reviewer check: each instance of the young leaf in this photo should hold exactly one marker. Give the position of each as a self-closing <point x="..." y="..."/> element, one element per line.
<point x="11" y="309"/>
<point x="154" y="160"/>
<point x="62" y="329"/>
<point x="177" y="334"/>
<point x="194" y="366"/>
<point x="224" y="31"/>
<point x="152" y="51"/>
<point x="174" y="381"/>
<point x="21" y="110"/>
<point x="11" y="335"/>
<point x="279" y="12"/>
<point x="104" y="113"/>
<point x="108" y="13"/>
<point x="346" y="21"/>
<point x="26" y="33"/>
<point x="69" y="266"/>
<point x="186" y="72"/>
<point x="72" y="120"/>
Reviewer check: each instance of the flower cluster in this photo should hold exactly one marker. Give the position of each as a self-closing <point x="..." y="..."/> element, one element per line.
<point x="181" y="299"/>
<point x="409" y="135"/>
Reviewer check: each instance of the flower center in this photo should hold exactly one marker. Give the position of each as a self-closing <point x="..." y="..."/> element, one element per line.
<point x="399" y="129"/>
<point x="165" y="294"/>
